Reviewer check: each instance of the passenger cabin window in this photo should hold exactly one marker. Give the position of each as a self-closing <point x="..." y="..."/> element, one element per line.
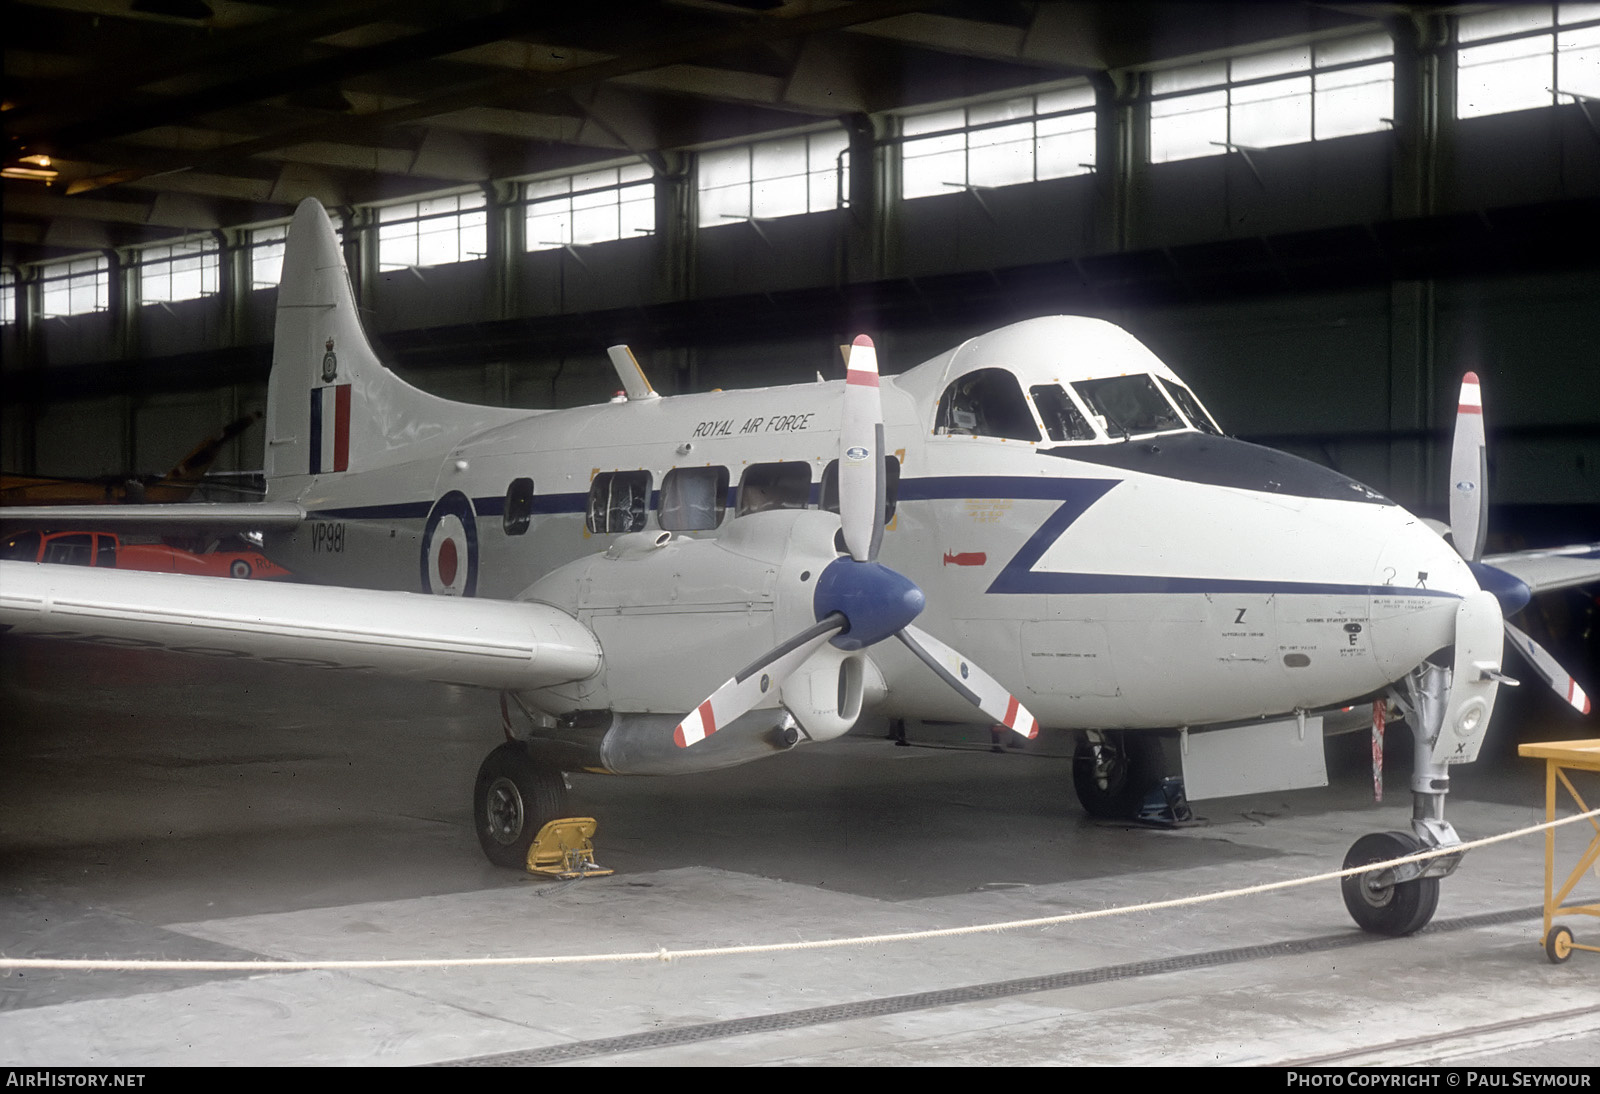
<point x="618" y="502"/>
<point x="519" y="507"/>
<point x="767" y="486"/>
<point x="1129" y="405"/>
<point x="75" y="550"/>
<point x="1063" y="421"/>
<point x="1191" y="407"/>
<point x="105" y="551"/>
<point x="693" y="499"/>
<point x="891" y="486"/>
<point x="986" y="403"/>
<point x="22" y="547"/>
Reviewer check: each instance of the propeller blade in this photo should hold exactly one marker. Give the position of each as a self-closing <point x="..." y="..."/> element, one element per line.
<point x="762" y="677"/>
<point x="1469" y="474"/>
<point x="1549" y="670"/>
<point x="861" y="473"/>
<point x="970" y="682"/>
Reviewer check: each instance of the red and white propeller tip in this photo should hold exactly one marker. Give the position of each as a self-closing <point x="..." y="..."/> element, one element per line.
<point x="861" y="473"/>
<point x="739" y="695"/>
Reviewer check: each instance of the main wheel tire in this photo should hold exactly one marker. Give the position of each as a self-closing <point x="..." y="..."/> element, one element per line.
<point x="1393" y="909"/>
<point x="514" y="797"/>
<point x="1558" y="945"/>
<point x="1112" y="778"/>
<point x="240" y="568"/>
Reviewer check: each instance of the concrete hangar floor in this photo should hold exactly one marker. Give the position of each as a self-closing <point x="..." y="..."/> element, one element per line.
<point x="152" y="807"/>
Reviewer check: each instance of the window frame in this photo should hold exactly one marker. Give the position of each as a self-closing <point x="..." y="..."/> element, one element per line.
<point x="1322" y="79"/>
<point x="153" y="268"/>
<point x="786" y="495"/>
<point x="517" y="514"/>
<point x="638" y="483"/>
<point x="944" y="412"/>
<point x="570" y="204"/>
<point x="814" y="180"/>
<point x="828" y="495"/>
<point x="98" y="272"/>
<point x="984" y="150"/>
<point x="1470" y="45"/>
<point x="669" y="497"/>
<point x="470" y="215"/>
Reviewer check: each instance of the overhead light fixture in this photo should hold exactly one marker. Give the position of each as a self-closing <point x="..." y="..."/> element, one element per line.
<point x="34" y="168"/>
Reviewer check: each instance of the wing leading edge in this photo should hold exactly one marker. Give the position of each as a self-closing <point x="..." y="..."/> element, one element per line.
<point x="250" y="516"/>
<point x="485" y="643"/>
<point x="1557" y="568"/>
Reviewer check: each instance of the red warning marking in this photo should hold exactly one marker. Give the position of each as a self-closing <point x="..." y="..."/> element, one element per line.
<point x="965" y="558"/>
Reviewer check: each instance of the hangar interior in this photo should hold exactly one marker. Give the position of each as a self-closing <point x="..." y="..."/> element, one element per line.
<point x="1319" y="214"/>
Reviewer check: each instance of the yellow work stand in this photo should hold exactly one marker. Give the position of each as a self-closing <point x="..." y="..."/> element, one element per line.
<point x="1559" y="758"/>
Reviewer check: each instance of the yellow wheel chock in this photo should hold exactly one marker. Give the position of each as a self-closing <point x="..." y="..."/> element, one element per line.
<point x="564" y="849"/>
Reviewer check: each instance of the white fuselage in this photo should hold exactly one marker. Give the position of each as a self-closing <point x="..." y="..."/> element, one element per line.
<point x="1153" y="580"/>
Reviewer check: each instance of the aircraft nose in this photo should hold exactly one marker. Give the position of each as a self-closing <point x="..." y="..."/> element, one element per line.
<point x="1418" y="583"/>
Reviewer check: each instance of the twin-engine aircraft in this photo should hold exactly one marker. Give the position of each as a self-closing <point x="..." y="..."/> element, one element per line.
<point x="1041" y="527"/>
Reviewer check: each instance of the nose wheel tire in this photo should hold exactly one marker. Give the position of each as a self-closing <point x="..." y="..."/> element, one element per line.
<point x="515" y="797"/>
<point x="1113" y="777"/>
<point x="1377" y="902"/>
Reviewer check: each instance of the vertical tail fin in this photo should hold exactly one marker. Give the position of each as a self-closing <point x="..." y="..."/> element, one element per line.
<point x="322" y="365"/>
<point x="332" y="407"/>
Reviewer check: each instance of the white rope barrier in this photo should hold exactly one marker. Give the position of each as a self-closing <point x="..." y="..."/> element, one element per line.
<point x="663" y="954"/>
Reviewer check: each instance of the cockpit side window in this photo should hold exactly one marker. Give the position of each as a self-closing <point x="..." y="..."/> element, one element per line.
<point x="1191" y="407"/>
<point x="986" y="403"/>
<point x="1129" y="404"/>
<point x="1063" y="421"/>
<point x="618" y="501"/>
<point x="774" y="486"/>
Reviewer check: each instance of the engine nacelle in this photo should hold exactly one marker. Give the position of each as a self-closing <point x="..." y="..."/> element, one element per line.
<point x="676" y="617"/>
<point x="826" y="694"/>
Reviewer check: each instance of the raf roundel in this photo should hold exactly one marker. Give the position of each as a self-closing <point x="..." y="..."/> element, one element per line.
<point x="450" y="548"/>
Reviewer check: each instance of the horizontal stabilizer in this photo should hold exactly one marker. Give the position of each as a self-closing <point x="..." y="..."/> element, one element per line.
<point x="485" y="643"/>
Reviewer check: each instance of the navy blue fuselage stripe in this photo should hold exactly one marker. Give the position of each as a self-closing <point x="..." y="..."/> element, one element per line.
<point x="1077" y="496"/>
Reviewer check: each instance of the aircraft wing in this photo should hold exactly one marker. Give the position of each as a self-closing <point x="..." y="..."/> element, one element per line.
<point x="1557" y="568"/>
<point x="173" y="517"/>
<point x="484" y="643"/>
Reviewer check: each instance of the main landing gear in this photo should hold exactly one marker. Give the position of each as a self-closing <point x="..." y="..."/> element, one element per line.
<point x="1401" y="900"/>
<point x="1112" y="773"/>
<point x="1119" y="776"/>
<point x="515" y="796"/>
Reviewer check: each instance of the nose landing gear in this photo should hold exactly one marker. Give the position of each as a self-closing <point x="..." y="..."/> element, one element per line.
<point x="1447" y="712"/>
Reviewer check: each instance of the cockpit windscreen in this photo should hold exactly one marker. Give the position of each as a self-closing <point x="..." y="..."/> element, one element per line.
<point x="1063" y="421"/>
<point x="1129" y="405"/>
<point x="1191" y="407"/>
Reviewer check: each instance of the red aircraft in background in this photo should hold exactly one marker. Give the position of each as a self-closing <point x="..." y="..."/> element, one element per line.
<point x="107" y="551"/>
